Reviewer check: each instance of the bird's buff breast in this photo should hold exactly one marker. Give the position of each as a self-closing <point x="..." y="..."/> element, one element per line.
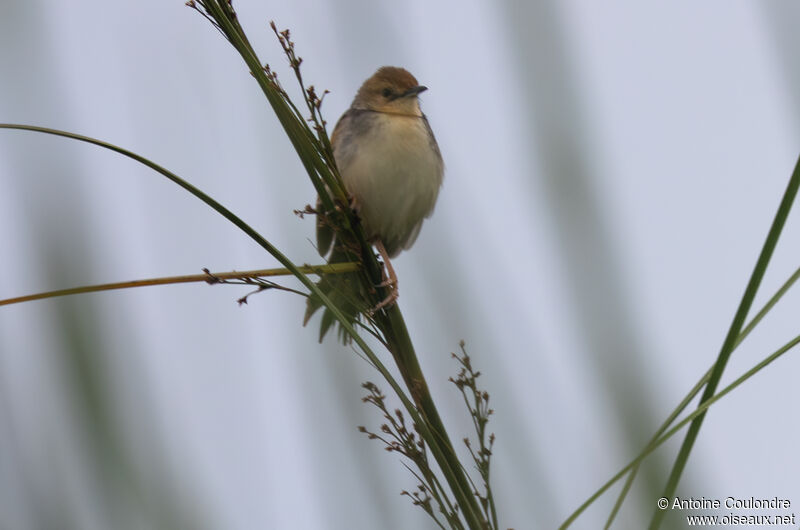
<point x="392" y="169"/>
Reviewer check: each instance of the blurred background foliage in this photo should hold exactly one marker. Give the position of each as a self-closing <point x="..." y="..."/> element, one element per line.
<point x="611" y="173"/>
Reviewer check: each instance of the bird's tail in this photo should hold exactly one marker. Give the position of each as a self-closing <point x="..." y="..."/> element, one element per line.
<point x="345" y="290"/>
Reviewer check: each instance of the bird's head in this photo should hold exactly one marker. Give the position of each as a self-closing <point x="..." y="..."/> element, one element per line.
<point x="390" y="89"/>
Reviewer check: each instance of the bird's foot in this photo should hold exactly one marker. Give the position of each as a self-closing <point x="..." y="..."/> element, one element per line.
<point x="387" y="302"/>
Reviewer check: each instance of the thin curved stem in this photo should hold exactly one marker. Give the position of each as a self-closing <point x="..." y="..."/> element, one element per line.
<point x="208" y="277"/>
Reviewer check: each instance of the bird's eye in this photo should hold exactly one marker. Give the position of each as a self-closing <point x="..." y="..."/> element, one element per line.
<point x="387" y="92"/>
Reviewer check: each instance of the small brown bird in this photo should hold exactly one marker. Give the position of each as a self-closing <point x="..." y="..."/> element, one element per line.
<point x="390" y="164"/>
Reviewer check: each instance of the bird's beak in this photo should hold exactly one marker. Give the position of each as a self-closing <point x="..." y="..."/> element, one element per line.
<point x="414" y="91"/>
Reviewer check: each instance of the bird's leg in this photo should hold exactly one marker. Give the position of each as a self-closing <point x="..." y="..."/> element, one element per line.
<point x="389" y="276"/>
<point x="390" y="279"/>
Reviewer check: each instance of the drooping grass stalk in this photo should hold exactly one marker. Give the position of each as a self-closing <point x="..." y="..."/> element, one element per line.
<point x="731" y="338"/>
<point x="222" y="210"/>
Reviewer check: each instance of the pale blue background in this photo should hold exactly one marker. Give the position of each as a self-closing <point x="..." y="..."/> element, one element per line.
<point x="612" y="170"/>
